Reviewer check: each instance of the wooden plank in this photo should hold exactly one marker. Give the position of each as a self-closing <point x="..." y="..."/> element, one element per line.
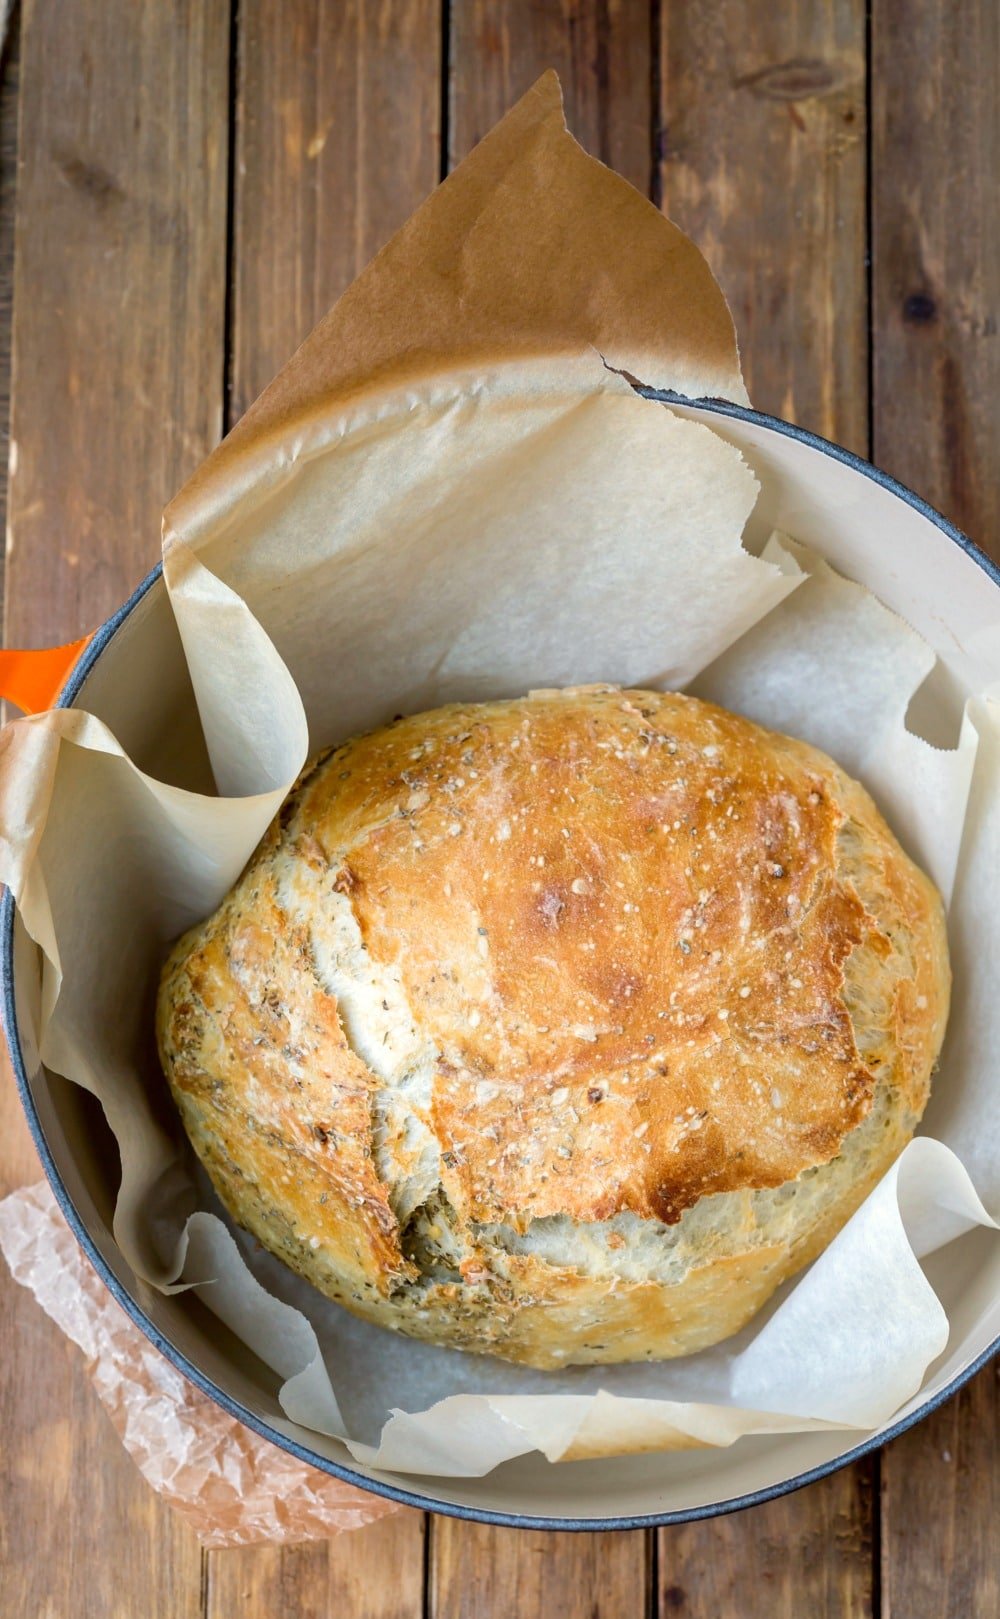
<point x="478" y="1571"/>
<point x="936" y="254"/>
<point x="601" y="50"/>
<point x="10" y="63"/>
<point x="762" y="161"/>
<point x="936" y="409"/>
<point x="117" y="391"/>
<point x="338" y="140"/>
<point x="940" y="1509"/>
<point x="117" y="334"/>
<point x="808" y="1553"/>
<point x="372" y="1573"/>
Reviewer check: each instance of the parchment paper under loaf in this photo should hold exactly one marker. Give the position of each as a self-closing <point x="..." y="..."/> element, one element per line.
<point x="405" y="519"/>
<point x="234" y="1488"/>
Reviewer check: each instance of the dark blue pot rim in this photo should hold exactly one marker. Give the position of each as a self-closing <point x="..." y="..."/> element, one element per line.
<point x="414" y="1498"/>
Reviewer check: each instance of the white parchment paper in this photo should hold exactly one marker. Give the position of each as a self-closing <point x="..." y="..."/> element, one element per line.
<point x="450" y="494"/>
<point x="504" y="567"/>
<point x="233" y="1487"/>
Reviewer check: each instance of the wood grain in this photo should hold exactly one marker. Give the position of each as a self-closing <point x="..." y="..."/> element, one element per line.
<point x="10" y="63"/>
<point x="936" y="254"/>
<point x="117" y="393"/>
<point x="601" y="50"/>
<point x="338" y="140"/>
<point x="119" y="294"/>
<point x="936" y="417"/>
<point x="762" y="160"/>
<point x="372" y="1573"/>
<point x="940" y="1509"/>
<point x="478" y="1571"/>
<point x="808" y="1553"/>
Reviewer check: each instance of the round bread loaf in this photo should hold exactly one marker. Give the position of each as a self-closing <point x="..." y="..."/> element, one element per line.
<point x="562" y="1029"/>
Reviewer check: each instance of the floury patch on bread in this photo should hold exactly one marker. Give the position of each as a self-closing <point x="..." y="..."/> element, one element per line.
<point x="562" y="1029"/>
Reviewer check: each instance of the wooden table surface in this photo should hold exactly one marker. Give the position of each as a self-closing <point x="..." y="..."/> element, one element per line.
<point x="196" y="181"/>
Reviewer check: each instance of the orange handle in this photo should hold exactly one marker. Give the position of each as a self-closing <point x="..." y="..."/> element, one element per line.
<point x="33" y="680"/>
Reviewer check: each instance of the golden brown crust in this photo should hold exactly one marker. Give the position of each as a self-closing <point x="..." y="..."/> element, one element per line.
<point x="642" y="939"/>
<point x="270" y="1091"/>
<point x="703" y="874"/>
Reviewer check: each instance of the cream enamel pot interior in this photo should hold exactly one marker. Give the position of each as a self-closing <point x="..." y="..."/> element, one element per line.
<point x="870" y="529"/>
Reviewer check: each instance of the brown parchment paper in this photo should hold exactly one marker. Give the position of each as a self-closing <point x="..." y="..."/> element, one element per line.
<point x="453" y="491"/>
<point x="530" y="248"/>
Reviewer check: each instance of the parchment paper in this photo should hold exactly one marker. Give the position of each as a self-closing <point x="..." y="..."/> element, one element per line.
<point x="234" y="1488"/>
<point x="530" y="248"/>
<point x="492" y="522"/>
